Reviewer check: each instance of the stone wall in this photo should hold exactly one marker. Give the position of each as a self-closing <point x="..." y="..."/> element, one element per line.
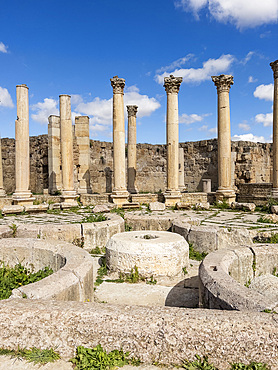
<point x="251" y="163"/>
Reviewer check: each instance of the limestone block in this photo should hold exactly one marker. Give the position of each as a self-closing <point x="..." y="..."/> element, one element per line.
<point x="203" y="238"/>
<point x="233" y="238"/>
<point x="266" y="258"/>
<point x="101" y="208"/>
<point x="181" y="227"/>
<point x="5" y="232"/>
<point x="241" y="265"/>
<point x="36" y="208"/>
<point x="8" y="210"/>
<point x="202" y="205"/>
<point x="244" y="206"/>
<point x="149" y="222"/>
<point x="157" y="206"/>
<point x="155" y="253"/>
<point x="181" y="205"/>
<point x="274" y="209"/>
<point x="266" y="284"/>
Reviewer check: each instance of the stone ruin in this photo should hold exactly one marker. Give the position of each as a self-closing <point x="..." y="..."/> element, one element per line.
<point x="63" y="309"/>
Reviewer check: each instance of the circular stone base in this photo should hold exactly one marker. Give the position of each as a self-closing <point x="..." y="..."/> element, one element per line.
<point x="155" y="253"/>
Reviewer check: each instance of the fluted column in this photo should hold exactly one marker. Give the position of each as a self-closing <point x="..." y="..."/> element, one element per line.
<point x="2" y="191"/>
<point x="119" y="193"/>
<point x="225" y="190"/>
<point x="172" y="86"/>
<point x="82" y="134"/>
<point x="68" y="192"/>
<point x="181" y="169"/>
<point x="54" y="155"/>
<point x="274" y="66"/>
<point x="22" y="194"/>
<point x="131" y="148"/>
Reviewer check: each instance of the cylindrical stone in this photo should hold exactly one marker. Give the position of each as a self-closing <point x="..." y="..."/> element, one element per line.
<point x="54" y="154"/>
<point x="131" y="148"/>
<point x="181" y="169"/>
<point x="82" y="135"/>
<point x="66" y="144"/>
<point x="274" y="66"/>
<point x="2" y="191"/>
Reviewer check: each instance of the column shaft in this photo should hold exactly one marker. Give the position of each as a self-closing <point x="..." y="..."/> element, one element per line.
<point x="22" y="193"/>
<point x="54" y="155"/>
<point x="131" y="149"/>
<point x="274" y="66"/>
<point x="181" y="169"/>
<point x="68" y="193"/>
<point x="82" y="134"/>
<point x="2" y="191"/>
<point x="172" y="85"/>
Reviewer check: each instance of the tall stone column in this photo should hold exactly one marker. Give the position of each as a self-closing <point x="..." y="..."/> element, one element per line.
<point x="68" y="192"/>
<point x="274" y="66"/>
<point x="2" y="191"/>
<point x="181" y="169"/>
<point x="22" y="194"/>
<point x="225" y="190"/>
<point x="172" y="86"/>
<point x="54" y="155"/>
<point x="82" y="134"/>
<point x="131" y="148"/>
<point x="119" y="193"/>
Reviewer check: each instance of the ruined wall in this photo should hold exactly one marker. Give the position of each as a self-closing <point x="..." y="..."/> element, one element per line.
<point x="251" y="163"/>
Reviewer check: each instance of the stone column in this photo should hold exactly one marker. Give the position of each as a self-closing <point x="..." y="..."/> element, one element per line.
<point x="172" y="86"/>
<point x="274" y="66"/>
<point x="82" y="134"/>
<point x="181" y="170"/>
<point x="22" y="194"/>
<point x="2" y="191"/>
<point x="131" y="148"/>
<point x="119" y="193"/>
<point x="68" y="192"/>
<point x="54" y="155"/>
<point x="225" y="190"/>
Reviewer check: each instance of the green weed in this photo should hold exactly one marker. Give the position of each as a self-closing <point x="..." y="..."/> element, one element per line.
<point x="195" y="255"/>
<point x="95" y="217"/>
<point x="36" y="355"/>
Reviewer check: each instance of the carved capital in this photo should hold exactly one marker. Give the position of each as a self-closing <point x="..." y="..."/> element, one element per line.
<point x="274" y="66"/>
<point x="223" y="82"/>
<point x="131" y="110"/>
<point x="118" y="85"/>
<point x="172" y="84"/>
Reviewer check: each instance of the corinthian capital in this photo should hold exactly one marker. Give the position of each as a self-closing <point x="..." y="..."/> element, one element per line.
<point x="223" y="82"/>
<point x="172" y="84"/>
<point x="274" y="66"/>
<point x="131" y="110"/>
<point x="118" y="85"/>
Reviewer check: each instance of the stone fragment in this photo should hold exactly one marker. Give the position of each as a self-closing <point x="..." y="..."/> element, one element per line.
<point x="202" y="205"/>
<point x="7" y="210"/>
<point x="36" y="208"/>
<point x="181" y="205"/>
<point x="274" y="209"/>
<point x="244" y="206"/>
<point x="101" y="208"/>
<point x="157" y="206"/>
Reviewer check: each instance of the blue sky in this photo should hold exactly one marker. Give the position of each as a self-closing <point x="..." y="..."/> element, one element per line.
<point x="75" y="47"/>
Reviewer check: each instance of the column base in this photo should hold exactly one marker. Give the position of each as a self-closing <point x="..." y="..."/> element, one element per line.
<point x="182" y="188"/>
<point x="22" y="198"/>
<point x="69" y="197"/>
<point x="274" y="193"/>
<point x="172" y="197"/>
<point x="2" y="193"/>
<point x="226" y="195"/>
<point x="132" y="190"/>
<point x="120" y="197"/>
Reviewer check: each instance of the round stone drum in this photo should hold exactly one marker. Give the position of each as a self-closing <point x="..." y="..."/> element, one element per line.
<point x="155" y="253"/>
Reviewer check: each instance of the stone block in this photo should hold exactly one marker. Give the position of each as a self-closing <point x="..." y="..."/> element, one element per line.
<point x="274" y="209"/>
<point x="157" y="206"/>
<point x="14" y="209"/>
<point x="203" y="238"/>
<point x="101" y="208"/>
<point x="32" y="208"/>
<point x="244" y="206"/>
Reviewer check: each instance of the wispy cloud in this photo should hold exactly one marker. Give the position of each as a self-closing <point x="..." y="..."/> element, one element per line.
<point x="251" y="79"/>
<point x="244" y="126"/>
<point x="3" y="48"/>
<point x="242" y="13"/>
<point x="5" y="98"/>
<point x="250" y="137"/>
<point x="192" y="118"/>
<point x="264" y="92"/>
<point x="265" y="119"/>
<point x="43" y="110"/>
<point x="198" y="75"/>
<point x="176" y="64"/>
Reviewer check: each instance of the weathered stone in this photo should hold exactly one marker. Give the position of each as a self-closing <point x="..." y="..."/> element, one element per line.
<point x="36" y="208"/>
<point x="157" y="206"/>
<point x="244" y="206"/>
<point x="274" y="209"/>
<point x="7" y="210"/>
<point x="101" y="208"/>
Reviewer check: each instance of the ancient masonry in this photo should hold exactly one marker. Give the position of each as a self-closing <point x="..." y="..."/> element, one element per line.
<point x="131" y="149"/>
<point x="274" y="66"/>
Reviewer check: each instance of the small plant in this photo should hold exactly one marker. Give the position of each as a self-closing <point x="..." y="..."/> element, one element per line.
<point x="98" y="358"/>
<point x="199" y="363"/>
<point x="14" y="277"/>
<point x="95" y="217"/>
<point x="98" y="250"/>
<point x="152" y="281"/>
<point x="247" y="284"/>
<point x="128" y="227"/>
<point x="195" y="255"/>
<point x="54" y="211"/>
<point x="13" y="227"/>
<point x="101" y="272"/>
<point x="222" y="204"/>
<point x="251" y="366"/>
<point x="264" y="219"/>
<point x="119" y="211"/>
<point x="274" y="272"/>
<point x="36" y="355"/>
<point x="36" y="202"/>
<point x="184" y="270"/>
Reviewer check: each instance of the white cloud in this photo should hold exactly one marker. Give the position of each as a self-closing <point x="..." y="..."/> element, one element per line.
<point x="190" y="118"/>
<point x="244" y="126"/>
<point x="247" y="58"/>
<point x="213" y="130"/>
<point x="210" y="67"/>
<point x="251" y="79"/>
<point x="264" y="92"/>
<point x="266" y="119"/>
<point x="3" y="48"/>
<point x="43" y="110"/>
<point x="249" y="137"/>
<point x="100" y="110"/>
<point x="203" y="128"/>
<point x="242" y="13"/>
<point x="176" y="64"/>
<point x="5" y="98"/>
